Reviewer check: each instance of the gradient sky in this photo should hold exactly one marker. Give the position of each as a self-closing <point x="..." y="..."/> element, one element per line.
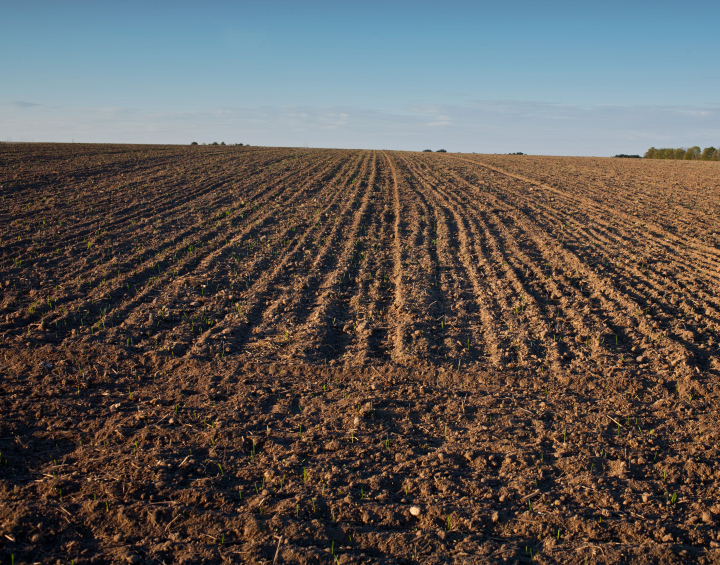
<point x="558" y="77"/>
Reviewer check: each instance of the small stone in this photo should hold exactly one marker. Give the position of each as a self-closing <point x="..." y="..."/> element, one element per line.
<point x="645" y="497"/>
<point x="36" y="538"/>
<point x="706" y="517"/>
<point x="495" y="516"/>
<point x="132" y="558"/>
<point x="640" y="359"/>
<point x="356" y="421"/>
<point x="399" y="458"/>
<point x="332" y="446"/>
<point x="667" y="538"/>
<point x="115" y="407"/>
<point x="415" y="510"/>
<point x="172" y="421"/>
<point x="117" y="538"/>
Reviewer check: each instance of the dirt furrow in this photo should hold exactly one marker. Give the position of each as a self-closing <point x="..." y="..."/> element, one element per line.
<point x="268" y="273"/>
<point x="482" y="335"/>
<point x="329" y="320"/>
<point x="215" y="320"/>
<point x="621" y="305"/>
<point x="146" y="274"/>
<point x="316" y="258"/>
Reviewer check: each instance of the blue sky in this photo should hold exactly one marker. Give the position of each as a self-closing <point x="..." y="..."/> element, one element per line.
<point x="560" y="78"/>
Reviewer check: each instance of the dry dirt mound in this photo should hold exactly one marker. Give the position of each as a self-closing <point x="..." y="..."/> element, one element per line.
<point x="304" y="356"/>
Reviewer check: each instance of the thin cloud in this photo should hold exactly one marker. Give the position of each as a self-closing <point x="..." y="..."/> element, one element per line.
<point x="499" y="126"/>
<point x="22" y="104"/>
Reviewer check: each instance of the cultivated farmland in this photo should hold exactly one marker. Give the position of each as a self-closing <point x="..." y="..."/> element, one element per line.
<point x="245" y="354"/>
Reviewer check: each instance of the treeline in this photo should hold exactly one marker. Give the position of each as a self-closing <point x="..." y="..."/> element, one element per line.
<point x="693" y="153"/>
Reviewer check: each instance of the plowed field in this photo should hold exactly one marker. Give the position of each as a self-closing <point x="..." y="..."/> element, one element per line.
<point x="281" y="355"/>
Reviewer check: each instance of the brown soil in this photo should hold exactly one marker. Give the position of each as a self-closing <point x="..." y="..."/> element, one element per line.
<point x="256" y="355"/>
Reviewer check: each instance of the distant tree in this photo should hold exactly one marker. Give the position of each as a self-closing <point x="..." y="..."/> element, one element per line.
<point x="222" y="143"/>
<point x="214" y="143"/>
<point x="692" y="153"/>
<point x="518" y="153"/>
<point x="427" y="150"/>
<point x="623" y="156"/>
<point x="194" y="143"/>
<point x="708" y="154"/>
<point x="441" y="151"/>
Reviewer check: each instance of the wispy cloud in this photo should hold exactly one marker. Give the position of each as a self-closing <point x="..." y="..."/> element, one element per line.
<point x="478" y="126"/>
<point x="21" y="104"/>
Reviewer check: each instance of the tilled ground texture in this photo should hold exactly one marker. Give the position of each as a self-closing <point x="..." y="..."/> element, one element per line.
<point x="278" y="355"/>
